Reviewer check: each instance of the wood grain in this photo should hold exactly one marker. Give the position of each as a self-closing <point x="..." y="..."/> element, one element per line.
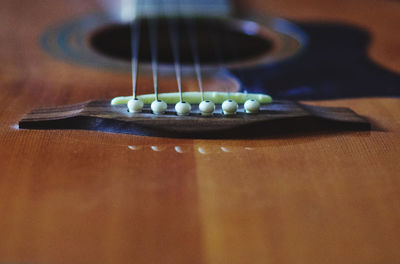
<point x="89" y="197"/>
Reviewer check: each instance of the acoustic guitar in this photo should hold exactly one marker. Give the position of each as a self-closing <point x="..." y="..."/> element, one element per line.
<point x="100" y="195"/>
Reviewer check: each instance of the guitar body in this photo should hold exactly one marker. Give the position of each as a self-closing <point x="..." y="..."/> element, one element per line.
<point x="74" y="196"/>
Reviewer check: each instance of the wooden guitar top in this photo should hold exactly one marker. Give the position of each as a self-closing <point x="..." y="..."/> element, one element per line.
<point x="69" y="196"/>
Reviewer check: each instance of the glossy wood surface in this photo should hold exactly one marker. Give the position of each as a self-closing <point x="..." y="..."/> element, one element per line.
<point x="89" y="197"/>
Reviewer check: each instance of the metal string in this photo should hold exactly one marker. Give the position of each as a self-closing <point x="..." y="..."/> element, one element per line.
<point x="153" y="27"/>
<point x="174" y="37"/>
<point x="234" y="54"/>
<point x="216" y="40"/>
<point x="135" y="32"/>
<point x="190" y="27"/>
<point x="175" y="34"/>
<point x="135" y="35"/>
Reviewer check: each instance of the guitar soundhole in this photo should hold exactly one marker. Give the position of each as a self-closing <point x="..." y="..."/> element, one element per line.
<point x="218" y="42"/>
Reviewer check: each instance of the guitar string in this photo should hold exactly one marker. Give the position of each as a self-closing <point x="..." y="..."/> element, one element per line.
<point x="135" y="35"/>
<point x="191" y="28"/>
<point x="153" y="34"/>
<point x="216" y="41"/>
<point x="234" y="54"/>
<point x="174" y="38"/>
<point x="174" y="35"/>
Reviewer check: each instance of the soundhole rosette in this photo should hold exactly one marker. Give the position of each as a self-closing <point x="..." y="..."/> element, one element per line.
<point x="96" y="40"/>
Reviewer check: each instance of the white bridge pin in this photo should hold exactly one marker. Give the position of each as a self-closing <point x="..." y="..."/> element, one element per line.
<point x="158" y="107"/>
<point x="135" y="105"/>
<point x="229" y="107"/>
<point x="252" y="106"/>
<point x="183" y="108"/>
<point x="206" y="108"/>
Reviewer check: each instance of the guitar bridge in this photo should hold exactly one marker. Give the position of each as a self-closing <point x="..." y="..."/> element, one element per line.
<point x="276" y="118"/>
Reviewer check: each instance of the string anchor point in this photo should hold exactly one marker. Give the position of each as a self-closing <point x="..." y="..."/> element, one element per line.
<point x="252" y="106"/>
<point x="159" y="107"/>
<point x="206" y="108"/>
<point x="229" y="107"/>
<point x="135" y="105"/>
<point x="183" y="108"/>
